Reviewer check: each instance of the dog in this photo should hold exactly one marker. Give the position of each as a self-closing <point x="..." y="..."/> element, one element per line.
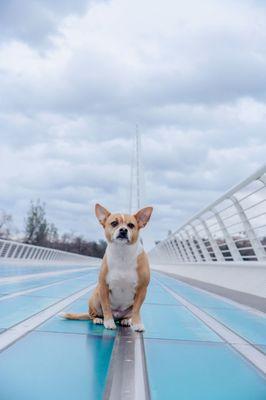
<point x="124" y="275"/>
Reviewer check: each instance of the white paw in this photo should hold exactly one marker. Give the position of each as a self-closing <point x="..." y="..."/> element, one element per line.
<point x="109" y="324"/>
<point x="138" y="327"/>
<point x="125" y="322"/>
<point x="98" y="321"/>
<point x="62" y="315"/>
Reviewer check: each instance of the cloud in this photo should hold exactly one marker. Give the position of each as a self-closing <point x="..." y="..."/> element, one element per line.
<point x="75" y="78"/>
<point x="34" y="22"/>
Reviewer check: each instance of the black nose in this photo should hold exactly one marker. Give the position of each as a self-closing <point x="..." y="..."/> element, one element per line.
<point x="123" y="232"/>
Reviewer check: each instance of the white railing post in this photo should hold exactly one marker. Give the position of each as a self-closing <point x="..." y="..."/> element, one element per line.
<point x="5" y="249"/>
<point x="8" y="253"/>
<point x="167" y="249"/>
<point x="177" y="255"/>
<point x="216" y="250"/>
<point x="177" y="246"/>
<point x="32" y="256"/>
<point x="171" y="251"/>
<point x="228" y="239"/>
<point x="193" y="246"/>
<point x="26" y="255"/>
<point x="18" y="251"/>
<point x="187" y="248"/>
<point x="182" y="250"/>
<point x="201" y="244"/>
<point x="255" y="242"/>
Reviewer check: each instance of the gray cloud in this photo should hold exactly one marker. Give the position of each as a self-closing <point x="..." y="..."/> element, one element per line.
<point x="35" y="21"/>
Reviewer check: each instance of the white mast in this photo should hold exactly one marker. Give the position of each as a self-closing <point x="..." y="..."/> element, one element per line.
<point x="136" y="179"/>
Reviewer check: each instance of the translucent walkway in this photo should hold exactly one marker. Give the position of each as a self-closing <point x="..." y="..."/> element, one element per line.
<point x="196" y="345"/>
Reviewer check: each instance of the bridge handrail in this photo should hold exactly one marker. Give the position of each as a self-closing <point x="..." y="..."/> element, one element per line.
<point x="191" y="244"/>
<point x="21" y="251"/>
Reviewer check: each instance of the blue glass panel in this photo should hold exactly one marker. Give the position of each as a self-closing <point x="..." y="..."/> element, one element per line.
<point x="8" y="288"/>
<point x="13" y="310"/>
<point x="195" y="371"/>
<point x="55" y="366"/>
<point x="174" y="322"/>
<point x="9" y="270"/>
<point x="246" y="324"/>
<point x="194" y="295"/>
<point x="64" y="289"/>
<point x="157" y="295"/>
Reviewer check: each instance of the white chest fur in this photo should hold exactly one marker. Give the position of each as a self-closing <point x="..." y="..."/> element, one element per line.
<point x="122" y="274"/>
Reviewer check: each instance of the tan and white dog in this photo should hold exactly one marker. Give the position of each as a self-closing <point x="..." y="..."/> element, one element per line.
<point x="125" y="272"/>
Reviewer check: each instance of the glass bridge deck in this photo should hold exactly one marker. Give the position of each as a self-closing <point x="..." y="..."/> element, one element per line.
<point x="46" y="357"/>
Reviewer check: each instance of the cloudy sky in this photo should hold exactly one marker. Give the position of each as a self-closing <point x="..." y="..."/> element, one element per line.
<point x="76" y="77"/>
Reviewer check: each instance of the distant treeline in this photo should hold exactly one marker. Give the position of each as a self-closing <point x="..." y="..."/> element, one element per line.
<point x="77" y="244"/>
<point x="38" y="231"/>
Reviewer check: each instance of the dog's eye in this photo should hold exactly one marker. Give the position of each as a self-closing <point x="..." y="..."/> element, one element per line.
<point x="114" y="224"/>
<point x="130" y="225"/>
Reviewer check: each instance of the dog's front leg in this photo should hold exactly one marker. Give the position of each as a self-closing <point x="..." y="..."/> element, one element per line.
<point x="136" y="323"/>
<point x="108" y="319"/>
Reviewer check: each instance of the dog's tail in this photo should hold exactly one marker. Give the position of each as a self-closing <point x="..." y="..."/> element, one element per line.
<point x="81" y="316"/>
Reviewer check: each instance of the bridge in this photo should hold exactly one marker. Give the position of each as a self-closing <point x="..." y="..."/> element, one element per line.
<point x="204" y="315"/>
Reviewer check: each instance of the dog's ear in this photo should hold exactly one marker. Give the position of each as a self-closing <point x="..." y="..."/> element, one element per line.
<point x="101" y="213"/>
<point x="143" y="216"/>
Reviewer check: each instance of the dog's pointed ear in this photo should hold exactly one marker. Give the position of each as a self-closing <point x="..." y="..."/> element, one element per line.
<point x="143" y="216"/>
<point x="101" y="213"/>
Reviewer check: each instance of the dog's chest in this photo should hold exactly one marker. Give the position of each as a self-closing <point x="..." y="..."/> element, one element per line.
<point x="122" y="281"/>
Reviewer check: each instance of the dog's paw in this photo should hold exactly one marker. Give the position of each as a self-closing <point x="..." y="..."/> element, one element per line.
<point x="62" y="315"/>
<point x="125" y="322"/>
<point x="138" y="327"/>
<point x="109" y="324"/>
<point x="98" y="321"/>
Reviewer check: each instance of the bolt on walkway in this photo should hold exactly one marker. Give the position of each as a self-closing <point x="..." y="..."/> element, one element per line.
<point x="196" y="345"/>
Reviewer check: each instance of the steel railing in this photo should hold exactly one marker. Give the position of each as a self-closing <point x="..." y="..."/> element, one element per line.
<point x="21" y="251"/>
<point x="232" y="228"/>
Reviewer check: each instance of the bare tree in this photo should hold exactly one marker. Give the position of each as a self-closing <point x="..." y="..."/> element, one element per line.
<point x="53" y="236"/>
<point x="36" y="225"/>
<point x="6" y="224"/>
<point x="40" y="232"/>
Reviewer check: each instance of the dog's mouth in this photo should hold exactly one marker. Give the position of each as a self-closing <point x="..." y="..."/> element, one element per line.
<point x="122" y="238"/>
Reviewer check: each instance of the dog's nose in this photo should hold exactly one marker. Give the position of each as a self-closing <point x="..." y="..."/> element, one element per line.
<point x="123" y="231"/>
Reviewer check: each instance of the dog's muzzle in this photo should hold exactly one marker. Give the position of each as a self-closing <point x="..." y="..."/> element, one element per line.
<point x="122" y="234"/>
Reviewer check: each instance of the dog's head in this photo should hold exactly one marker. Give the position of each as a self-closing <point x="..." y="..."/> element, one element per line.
<point x="122" y="228"/>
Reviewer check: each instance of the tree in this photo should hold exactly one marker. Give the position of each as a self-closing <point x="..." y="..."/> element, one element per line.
<point x="6" y="222"/>
<point x="53" y="236"/>
<point x="36" y="225"/>
<point x="39" y="231"/>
